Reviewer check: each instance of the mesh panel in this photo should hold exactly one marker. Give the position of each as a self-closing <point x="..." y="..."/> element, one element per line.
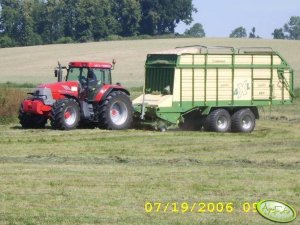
<point x="159" y="79"/>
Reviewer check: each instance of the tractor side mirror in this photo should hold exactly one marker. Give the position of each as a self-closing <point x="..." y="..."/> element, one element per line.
<point x="55" y="72"/>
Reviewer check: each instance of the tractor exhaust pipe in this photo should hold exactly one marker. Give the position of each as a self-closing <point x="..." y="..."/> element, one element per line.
<point x="58" y="72"/>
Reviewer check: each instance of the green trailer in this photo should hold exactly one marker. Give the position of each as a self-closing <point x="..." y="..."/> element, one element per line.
<point x="218" y="88"/>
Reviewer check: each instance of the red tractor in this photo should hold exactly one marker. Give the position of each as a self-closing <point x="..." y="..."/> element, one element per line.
<point x="86" y="97"/>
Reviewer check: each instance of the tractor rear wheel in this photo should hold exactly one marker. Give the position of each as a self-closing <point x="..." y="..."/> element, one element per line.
<point x="65" y="114"/>
<point x="243" y="121"/>
<point x="116" y="112"/>
<point x="218" y="120"/>
<point x="31" y="121"/>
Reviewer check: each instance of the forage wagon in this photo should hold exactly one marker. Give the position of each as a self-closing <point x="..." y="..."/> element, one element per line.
<point x="218" y="88"/>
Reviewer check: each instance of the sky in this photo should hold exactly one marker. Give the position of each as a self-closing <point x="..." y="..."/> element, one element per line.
<point x="220" y="17"/>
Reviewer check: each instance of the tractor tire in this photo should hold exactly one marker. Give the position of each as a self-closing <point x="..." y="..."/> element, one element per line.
<point x="218" y="120"/>
<point x="243" y="121"/>
<point x="116" y="112"/>
<point x="31" y="121"/>
<point x="65" y="114"/>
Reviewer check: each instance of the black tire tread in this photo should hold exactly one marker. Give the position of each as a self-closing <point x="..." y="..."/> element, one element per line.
<point x="236" y="117"/>
<point x="57" y="114"/>
<point x="210" y="121"/>
<point x="30" y="121"/>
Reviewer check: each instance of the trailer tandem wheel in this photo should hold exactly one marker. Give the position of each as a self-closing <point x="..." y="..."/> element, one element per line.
<point x="243" y="121"/>
<point x="218" y="120"/>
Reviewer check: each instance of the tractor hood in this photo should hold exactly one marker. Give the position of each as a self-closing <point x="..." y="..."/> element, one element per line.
<point x="60" y="89"/>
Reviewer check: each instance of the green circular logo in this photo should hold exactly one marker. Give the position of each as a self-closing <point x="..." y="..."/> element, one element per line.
<point x="276" y="211"/>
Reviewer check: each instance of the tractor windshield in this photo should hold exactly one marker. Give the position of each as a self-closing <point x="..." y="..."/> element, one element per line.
<point x="103" y="76"/>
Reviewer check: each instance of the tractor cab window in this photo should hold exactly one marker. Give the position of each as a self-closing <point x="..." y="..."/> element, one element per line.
<point x="76" y="74"/>
<point x="103" y="76"/>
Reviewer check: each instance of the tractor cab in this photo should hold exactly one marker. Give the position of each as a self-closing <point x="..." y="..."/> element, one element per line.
<point x="91" y="77"/>
<point x="83" y="72"/>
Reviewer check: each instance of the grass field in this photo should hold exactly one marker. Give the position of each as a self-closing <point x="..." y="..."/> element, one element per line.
<point x="106" y="177"/>
<point x="36" y="64"/>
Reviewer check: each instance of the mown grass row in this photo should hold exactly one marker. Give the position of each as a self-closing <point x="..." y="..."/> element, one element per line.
<point x="106" y="177"/>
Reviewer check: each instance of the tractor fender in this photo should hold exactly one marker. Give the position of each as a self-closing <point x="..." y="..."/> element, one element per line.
<point x="107" y="89"/>
<point x="71" y="96"/>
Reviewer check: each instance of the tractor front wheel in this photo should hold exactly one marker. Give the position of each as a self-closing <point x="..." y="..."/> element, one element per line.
<point x="65" y="114"/>
<point x="116" y="112"/>
<point x="31" y="121"/>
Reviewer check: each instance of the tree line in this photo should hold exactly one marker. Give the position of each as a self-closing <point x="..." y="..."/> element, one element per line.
<point x="34" y="22"/>
<point x="290" y="31"/>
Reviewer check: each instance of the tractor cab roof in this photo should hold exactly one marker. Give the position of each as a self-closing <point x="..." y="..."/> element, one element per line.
<point x="100" y="65"/>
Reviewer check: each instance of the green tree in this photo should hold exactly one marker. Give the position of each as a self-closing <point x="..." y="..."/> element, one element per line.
<point x="6" y="41"/>
<point x="17" y="24"/>
<point x="85" y="15"/>
<point x="150" y="17"/>
<point x="161" y="17"/>
<point x="239" y="32"/>
<point x="195" y="31"/>
<point x="69" y="18"/>
<point x="293" y="28"/>
<point x="128" y="14"/>
<point x="29" y="22"/>
<point x="9" y="20"/>
<point x="105" y="22"/>
<point x="95" y="20"/>
<point x="278" y="34"/>
<point x="36" y="15"/>
<point x="52" y="23"/>
<point x="26" y="35"/>
<point x="252" y="33"/>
